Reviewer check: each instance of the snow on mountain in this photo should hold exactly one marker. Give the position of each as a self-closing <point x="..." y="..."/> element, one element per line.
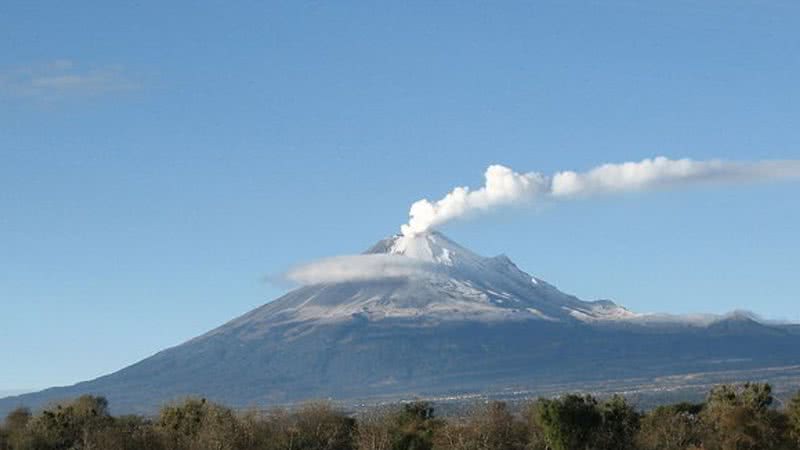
<point x="449" y="282"/>
<point x="428" y="279"/>
<point x="603" y="310"/>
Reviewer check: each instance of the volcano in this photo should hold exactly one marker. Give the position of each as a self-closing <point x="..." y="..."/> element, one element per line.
<point x="446" y="322"/>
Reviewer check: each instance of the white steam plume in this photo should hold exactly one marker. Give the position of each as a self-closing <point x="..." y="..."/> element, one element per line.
<point x="505" y="187"/>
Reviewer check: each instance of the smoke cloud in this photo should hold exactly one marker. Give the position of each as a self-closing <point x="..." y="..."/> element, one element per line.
<point x="504" y="186"/>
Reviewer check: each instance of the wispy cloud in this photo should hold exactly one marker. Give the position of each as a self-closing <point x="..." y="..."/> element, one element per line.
<point x="62" y="79"/>
<point x="358" y="268"/>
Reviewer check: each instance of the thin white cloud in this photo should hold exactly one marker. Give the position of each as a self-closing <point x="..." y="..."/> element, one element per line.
<point x="62" y="79"/>
<point x="357" y="268"/>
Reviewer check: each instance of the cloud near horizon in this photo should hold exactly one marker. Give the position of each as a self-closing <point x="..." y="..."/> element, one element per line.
<point x="504" y="187"/>
<point x="62" y="78"/>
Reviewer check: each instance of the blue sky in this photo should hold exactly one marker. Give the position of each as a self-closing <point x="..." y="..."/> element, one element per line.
<point x="158" y="160"/>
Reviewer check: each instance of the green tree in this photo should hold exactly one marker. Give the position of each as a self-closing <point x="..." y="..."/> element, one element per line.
<point x="129" y="433"/>
<point x="17" y="420"/>
<point x="179" y="424"/>
<point x="374" y="430"/>
<point x="571" y="422"/>
<point x="489" y="427"/>
<point x="13" y="431"/>
<point x="274" y="430"/>
<point x="414" y="427"/>
<point x="535" y="431"/>
<point x="319" y="426"/>
<point x="620" y="423"/>
<point x="69" y="426"/>
<point x="671" y="427"/>
<point x="411" y="426"/>
<point x="738" y="417"/>
<point x="793" y="416"/>
<point x="197" y="424"/>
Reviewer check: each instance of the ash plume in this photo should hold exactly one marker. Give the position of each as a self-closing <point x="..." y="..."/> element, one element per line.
<point x="505" y="187"/>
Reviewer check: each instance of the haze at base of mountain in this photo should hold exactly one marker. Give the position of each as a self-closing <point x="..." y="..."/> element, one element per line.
<point x="12" y="392"/>
<point x="465" y="323"/>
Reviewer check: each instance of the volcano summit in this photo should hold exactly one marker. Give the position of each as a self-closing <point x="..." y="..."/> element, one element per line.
<point x="422" y="315"/>
<point x="431" y="279"/>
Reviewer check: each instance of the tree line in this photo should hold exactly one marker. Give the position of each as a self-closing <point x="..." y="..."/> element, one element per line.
<point x="733" y="417"/>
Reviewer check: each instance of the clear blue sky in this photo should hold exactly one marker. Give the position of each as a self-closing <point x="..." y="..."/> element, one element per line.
<point x="159" y="159"/>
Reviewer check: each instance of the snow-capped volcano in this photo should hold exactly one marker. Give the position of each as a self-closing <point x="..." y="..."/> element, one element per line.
<point x="424" y="315"/>
<point x="448" y="282"/>
<point x="432" y="247"/>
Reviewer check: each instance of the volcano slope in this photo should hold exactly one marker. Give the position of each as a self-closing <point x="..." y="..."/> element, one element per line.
<point x="446" y="322"/>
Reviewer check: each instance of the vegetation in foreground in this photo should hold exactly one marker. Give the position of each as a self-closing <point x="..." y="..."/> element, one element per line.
<point x="734" y="417"/>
